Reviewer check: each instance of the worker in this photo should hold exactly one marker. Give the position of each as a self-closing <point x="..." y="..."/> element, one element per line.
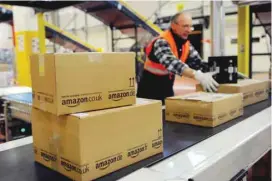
<point x="172" y="54"/>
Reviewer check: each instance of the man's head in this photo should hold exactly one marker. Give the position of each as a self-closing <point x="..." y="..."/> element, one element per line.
<point x="181" y="24"/>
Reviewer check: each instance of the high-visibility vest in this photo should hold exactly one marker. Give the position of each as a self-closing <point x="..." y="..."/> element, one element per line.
<point x="157" y="68"/>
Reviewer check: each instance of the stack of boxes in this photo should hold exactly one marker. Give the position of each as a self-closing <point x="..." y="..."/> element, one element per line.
<point x="213" y="109"/>
<point x="86" y="120"/>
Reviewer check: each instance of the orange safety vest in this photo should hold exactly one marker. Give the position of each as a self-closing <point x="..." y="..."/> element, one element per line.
<point x="157" y="68"/>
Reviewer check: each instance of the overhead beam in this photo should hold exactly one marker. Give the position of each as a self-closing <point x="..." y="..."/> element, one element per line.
<point x="98" y="8"/>
<point x="125" y="27"/>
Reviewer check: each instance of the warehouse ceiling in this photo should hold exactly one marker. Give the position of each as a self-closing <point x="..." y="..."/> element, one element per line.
<point x="45" y="5"/>
<point x="250" y="2"/>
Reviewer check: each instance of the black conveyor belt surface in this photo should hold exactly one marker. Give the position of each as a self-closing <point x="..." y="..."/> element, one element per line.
<point x="18" y="163"/>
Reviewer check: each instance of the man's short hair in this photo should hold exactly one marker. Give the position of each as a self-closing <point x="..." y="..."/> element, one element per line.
<point x="174" y="18"/>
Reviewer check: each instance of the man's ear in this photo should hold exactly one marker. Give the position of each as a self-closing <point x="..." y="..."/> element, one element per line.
<point x="173" y="26"/>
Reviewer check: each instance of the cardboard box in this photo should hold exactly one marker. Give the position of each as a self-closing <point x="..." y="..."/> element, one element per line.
<point x="69" y="83"/>
<point x="85" y="146"/>
<point x="204" y="109"/>
<point x="253" y="90"/>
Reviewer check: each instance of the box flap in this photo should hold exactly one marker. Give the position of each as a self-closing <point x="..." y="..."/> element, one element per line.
<point x="202" y="96"/>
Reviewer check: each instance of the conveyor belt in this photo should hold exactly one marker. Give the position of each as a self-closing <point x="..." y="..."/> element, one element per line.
<point x="19" y="162"/>
<point x="20" y="105"/>
<point x="14" y="90"/>
<point x="21" y="97"/>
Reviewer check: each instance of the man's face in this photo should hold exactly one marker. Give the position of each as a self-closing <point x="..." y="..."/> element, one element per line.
<point x="183" y="26"/>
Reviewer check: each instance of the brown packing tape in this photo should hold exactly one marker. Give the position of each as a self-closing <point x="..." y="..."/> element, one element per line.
<point x="41" y="65"/>
<point x="54" y="148"/>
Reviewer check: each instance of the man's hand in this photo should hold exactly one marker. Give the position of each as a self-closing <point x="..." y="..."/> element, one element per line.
<point x="206" y="80"/>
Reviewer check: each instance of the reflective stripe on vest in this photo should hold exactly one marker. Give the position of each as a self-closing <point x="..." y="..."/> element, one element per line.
<point x="157" y="68"/>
